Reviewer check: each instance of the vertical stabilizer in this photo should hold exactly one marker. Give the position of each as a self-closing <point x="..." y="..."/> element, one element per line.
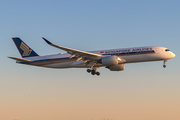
<point x="24" y="50"/>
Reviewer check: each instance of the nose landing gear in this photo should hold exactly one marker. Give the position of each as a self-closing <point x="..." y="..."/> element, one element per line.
<point x="93" y="71"/>
<point x="164" y="65"/>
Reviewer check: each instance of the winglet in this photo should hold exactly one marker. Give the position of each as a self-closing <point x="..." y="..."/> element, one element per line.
<point x="48" y="42"/>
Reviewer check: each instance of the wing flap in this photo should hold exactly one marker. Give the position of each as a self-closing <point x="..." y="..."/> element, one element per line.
<point x="20" y="59"/>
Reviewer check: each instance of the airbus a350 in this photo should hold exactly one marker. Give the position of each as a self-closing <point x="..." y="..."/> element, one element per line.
<point x="113" y="59"/>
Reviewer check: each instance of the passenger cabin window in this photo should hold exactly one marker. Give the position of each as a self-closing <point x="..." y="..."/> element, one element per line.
<point x="167" y="50"/>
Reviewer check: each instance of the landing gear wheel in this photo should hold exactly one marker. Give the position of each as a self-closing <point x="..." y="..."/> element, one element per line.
<point x="93" y="72"/>
<point x="164" y="65"/>
<point x="88" y="70"/>
<point x="97" y="73"/>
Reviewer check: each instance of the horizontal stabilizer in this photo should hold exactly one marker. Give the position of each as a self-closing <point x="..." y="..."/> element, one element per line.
<point x="20" y="59"/>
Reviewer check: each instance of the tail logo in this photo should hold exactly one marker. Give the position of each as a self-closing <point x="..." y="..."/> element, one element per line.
<point x="26" y="49"/>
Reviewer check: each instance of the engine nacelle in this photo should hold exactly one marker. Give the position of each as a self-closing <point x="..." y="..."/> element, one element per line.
<point x="109" y="61"/>
<point x="116" y="67"/>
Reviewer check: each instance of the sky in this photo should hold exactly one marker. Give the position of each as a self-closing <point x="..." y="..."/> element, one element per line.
<point x="143" y="91"/>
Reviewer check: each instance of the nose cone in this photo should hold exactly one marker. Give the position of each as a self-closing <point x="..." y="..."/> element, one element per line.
<point x="173" y="55"/>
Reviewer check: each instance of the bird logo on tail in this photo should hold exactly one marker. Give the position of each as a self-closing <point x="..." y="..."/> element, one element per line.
<point x="26" y="49"/>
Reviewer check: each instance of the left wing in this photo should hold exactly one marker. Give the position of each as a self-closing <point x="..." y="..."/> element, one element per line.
<point x="81" y="55"/>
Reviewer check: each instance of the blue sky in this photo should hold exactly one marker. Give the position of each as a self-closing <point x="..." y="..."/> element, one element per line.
<point x="89" y="25"/>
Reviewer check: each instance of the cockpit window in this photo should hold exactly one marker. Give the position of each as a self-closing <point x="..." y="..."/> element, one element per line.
<point x="167" y="50"/>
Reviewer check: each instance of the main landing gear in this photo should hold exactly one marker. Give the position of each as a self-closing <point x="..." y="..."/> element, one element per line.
<point x="164" y="65"/>
<point x="93" y="71"/>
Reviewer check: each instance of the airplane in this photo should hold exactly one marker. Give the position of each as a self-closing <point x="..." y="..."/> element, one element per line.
<point x="114" y="59"/>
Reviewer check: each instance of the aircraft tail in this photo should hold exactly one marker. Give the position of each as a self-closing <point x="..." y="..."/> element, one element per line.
<point x="24" y="50"/>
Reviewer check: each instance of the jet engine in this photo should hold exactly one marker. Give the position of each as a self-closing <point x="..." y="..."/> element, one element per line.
<point x="116" y="67"/>
<point x="109" y="60"/>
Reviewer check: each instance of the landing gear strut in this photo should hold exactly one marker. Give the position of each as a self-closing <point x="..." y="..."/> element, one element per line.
<point x="164" y="65"/>
<point x="93" y="71"/>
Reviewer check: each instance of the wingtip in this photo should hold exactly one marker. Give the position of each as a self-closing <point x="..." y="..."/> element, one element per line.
<point x="48" y="42"/>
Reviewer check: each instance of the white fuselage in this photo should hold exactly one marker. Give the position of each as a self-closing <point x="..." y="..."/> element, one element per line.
<point x="130" y="55"/>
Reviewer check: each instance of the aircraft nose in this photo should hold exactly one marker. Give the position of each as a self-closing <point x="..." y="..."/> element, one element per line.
<point x="173" y="55"/>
